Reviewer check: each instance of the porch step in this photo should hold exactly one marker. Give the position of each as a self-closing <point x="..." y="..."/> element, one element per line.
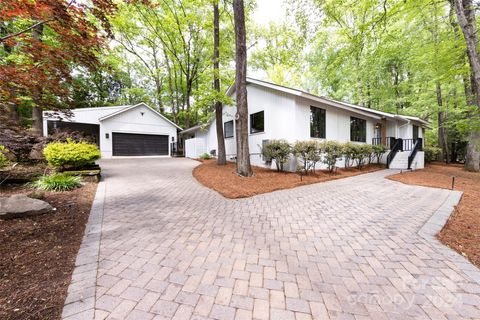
<point x="401" y="161"/>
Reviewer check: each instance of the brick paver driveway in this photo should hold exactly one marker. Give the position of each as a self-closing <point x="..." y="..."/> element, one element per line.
<point x="171" y="248"/>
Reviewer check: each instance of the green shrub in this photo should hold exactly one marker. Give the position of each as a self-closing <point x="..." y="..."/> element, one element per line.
<point x="57" y="182"/>
<point x="205" y="156"/>
<point x="332" y="151"/>
<point x="71" y="154"/>
<point x="378" y="151"/>
<point x="277" y="150"/>
<point x="363" y="154"/>
<point x="431" y="153"/>
<point x="3" y="158"/>
<point x="350" y="151"/>
<point x="309" y="153"/>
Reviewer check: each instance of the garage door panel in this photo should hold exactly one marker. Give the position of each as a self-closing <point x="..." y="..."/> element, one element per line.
<point x="132" y="144"/>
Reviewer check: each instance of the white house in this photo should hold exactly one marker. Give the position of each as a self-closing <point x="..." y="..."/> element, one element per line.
<point x="277" y="112"/>
<point x="135" y="130"/>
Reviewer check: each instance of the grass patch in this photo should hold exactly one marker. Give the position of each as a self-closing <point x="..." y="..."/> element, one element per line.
<point x="57" y="182"/>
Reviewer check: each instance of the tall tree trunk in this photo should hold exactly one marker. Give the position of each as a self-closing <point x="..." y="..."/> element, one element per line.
<point x="170" y="89"/>
<point x="472" y="159"/>
<point x="221" y="156"/>
<point x="187" y="103"/>
<point x="442" y="134"/>
<point x="241" y="117"/>
<point x="465" y="12"/>
<point x="37" y="111"/>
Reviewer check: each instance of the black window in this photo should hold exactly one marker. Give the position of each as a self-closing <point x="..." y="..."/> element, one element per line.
<point x="317" y="122"/>
<point x="358" y="130"/>
<point x="257" y="123"/>
<point x="228" y="129"/>
<point x="415" y="132"/>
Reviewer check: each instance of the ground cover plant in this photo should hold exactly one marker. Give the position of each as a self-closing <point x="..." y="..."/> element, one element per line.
<point x="57" y="182"/>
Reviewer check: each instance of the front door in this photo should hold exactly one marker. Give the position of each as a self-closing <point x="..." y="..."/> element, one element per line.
<point x="415" y="132"/>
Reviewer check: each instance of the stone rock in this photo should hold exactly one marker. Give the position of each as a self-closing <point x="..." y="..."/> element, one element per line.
<point x="19" y="205"/>
<point x="37" y="151"/>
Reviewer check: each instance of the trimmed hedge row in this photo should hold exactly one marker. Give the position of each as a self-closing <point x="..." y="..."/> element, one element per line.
<point x="312" y="152"/>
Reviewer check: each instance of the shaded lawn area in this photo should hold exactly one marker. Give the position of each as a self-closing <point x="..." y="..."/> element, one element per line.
<point x="225" y="181"/>
<point x="462" y="231"/>
<point x="37" y="254"/>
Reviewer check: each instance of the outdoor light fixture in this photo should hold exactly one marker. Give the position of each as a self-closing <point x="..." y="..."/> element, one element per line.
<point x="107" y="135"/>
<point x="142" y="113"/>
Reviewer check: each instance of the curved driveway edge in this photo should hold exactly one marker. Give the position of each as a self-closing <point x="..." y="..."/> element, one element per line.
<point x="436" y="223"/>
<point x="362" y="247"/>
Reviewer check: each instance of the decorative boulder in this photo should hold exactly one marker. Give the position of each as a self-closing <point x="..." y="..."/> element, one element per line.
<point x="37" y="151"/>
<point x="19" y="206"/>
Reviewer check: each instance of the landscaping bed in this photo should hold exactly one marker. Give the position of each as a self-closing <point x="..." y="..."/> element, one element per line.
<point x="24" y="172"/>
<point x="462" y="231"/>
<point x="37" y="254"/>
<point x="225" y="181"/>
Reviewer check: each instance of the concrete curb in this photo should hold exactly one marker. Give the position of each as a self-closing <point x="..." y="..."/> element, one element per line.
<point x="80" y="301"/>
<point x="435" y="224"/>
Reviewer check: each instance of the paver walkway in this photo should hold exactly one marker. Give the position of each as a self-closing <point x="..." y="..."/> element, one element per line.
<point x="348" y="249"/>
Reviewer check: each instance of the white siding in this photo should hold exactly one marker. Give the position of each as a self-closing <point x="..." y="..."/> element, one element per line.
<point x="195" y="147"/>
<point x="337" y="122"/>
<point x="287" y="117"/>
<point x="132" y="121"/>
<point x="86" y="115"/>
<point x="278" y="109"/>
<point x="391" y="128"/>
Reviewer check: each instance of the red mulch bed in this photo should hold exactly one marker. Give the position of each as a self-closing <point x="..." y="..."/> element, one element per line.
<point x="225" y="181"/>
<point x="37" y="254"/>
<point x="462" y="231"/>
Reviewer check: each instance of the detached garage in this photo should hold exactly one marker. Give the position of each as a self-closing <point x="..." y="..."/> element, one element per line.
<point x="136" y="130"/>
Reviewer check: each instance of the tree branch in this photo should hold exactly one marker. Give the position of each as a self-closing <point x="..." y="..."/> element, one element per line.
<point x="2" y="39"/>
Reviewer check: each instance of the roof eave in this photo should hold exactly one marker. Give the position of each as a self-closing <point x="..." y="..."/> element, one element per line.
<point x="136" y="106"/>
<point x="339" y="105"/>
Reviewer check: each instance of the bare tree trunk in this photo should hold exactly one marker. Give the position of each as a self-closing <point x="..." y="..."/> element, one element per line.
<point x="243" y="152"/>
<point x="442" y="134"/>
<point x="472" y="160"/>
<point x="221" y="156"/>
<point x="170" y="88"/>
<point x="187" y="102"/>
<point x="37" y="112"/>
<point x="465" y="12"/>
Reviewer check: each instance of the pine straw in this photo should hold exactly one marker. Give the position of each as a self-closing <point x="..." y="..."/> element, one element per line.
<point x="462" y="231"/>
<point x="225" y="181"/>
<point x="37" y="254"/>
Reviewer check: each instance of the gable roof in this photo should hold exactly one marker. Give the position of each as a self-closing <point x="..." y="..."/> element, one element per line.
<point x="339" y="104"/>
<point x="141" y="104"/>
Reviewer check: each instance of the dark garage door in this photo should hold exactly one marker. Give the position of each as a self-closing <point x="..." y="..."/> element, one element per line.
<point x="130" y="144"/>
